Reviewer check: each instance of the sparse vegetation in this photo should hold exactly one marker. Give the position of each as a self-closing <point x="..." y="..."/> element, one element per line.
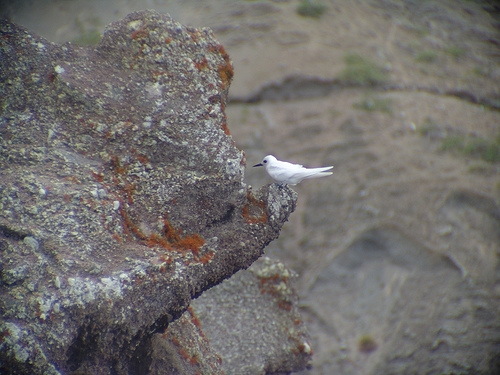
<point x="375" y="104"/>
<point x="308" y="8"/>
<point x="429" y="129"/>
<point x="455" y="51"/>
<point x="482" y="71"/>
<point x="367" y="344"/>
<point x="481" y="168"/>
<point x="486" y="149"/>
<point x="452" y="143"/>
<point x="88" y="36"/>
<point x="361" y="71"/>
<point x="467" y="145"/>
<point x="426" y="56"/>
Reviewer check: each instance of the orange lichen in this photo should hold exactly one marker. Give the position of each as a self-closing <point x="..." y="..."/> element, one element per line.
<point x="156" y="240"/>
<point x="194" y="360"/>
<point x="194" y="318"/>
<point x="195" y="35"/>
<point x="193" y="243"/>
<point x="305" y="348"/>
<point x="73" y="179"/>
<point x="142" y="158"/>
<point x="99" y="177"/>
<point x="4" y="333"/>
<point x="169" y="232"/>
<point x="206" y="258"/>
<point x="226" y="69"/>
<point x="170" y="239"/>
<point x="166" y="259"/>
<point x="248" y="210"/>
<point x="128" y="190"/>
<point x="219" y="48"/>
<point x="285" y="305"/>
<point x="184" y="354"/>
<point x="116" y="237"/>
<point x="129" y="227"/>
<point x="137" y="34"/>
<point x="226" y="74"/>
<point x="117" y="166"/>
<point x="273" y="285"/>
<point x="203" y="64"/>
<point x="225" y="128"/>
<point x="175" y="341"/>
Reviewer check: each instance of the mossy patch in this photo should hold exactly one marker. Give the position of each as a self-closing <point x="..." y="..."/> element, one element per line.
<point x="361" y="71"/>
<point x="88" y="36"/>
<point x="474" y="146"/>
<point x="486" y="149"/>
<point x="427" y="56"/>
<point x="308" y="8"/>
<point x="455" y="51"/>
<point x="367" y="344"/>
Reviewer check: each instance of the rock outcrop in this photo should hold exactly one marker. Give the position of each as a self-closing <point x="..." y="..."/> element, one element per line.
<point x="121" y="194"/>
<point x="252" y="321"/>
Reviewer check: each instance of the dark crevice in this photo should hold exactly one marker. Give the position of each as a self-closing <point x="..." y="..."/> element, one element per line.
<point x="309" y="87"/>
<point x="140" y="359"/>
<point x="224" y="219"/>
<point x="12" y="233"/>
<point x="83" y="347"/>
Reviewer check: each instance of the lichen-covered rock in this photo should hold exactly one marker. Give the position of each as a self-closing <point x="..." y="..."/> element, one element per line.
<point x="121" y="193"/>
<point x="252" y="321"/>
<point x="184" y="349"/>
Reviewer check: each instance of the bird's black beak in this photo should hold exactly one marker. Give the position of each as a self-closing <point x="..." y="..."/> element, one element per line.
<point x="258" y="165"/>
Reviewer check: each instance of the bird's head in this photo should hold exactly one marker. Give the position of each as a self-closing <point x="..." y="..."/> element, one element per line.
<point x="267" y="160"/>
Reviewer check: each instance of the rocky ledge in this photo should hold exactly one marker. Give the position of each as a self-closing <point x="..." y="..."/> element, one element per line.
<point x="121" y="198"/>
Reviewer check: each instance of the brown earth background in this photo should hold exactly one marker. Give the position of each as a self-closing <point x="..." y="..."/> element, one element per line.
<point x="397" y="253"/>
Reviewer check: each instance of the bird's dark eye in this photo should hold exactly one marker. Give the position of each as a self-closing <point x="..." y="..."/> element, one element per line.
<point x="265" y="161"/>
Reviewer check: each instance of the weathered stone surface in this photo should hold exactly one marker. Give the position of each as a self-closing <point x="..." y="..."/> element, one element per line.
<point x="422" y="313"/>
<point x="122" y="193"/>
<point x="184" y="349"/>
<point x="252" y="321"/>
<point x="249" y="324"/>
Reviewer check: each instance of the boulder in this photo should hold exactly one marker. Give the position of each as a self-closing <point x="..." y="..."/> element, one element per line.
<point x="121" y="194"/>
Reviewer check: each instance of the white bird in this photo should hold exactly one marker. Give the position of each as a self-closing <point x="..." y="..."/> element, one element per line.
<point x="284" y="172"/>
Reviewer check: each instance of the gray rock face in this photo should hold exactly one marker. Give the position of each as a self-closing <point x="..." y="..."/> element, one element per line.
<point x="253" y="321"/>
<point x="121" y="194"/>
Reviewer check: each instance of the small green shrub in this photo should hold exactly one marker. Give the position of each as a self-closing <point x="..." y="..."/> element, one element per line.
<point x="426" y="56"/>
<point x="430" y="129"/>
<point x="455" y="51"/>
<point x="491" y="153"/>
<point x="482" y="71"/>
<point x="480" y="168"/>
<point x="487" y="150"/>
<point x="366" y="344"/>
<point x="361" y="71"/>
<point x="452" y="143"/>
<point x="307" y="8"/>
<point x="88" y="38"/>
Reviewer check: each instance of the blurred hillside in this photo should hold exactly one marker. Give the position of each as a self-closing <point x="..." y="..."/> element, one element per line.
<point x="397" y="252"/>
